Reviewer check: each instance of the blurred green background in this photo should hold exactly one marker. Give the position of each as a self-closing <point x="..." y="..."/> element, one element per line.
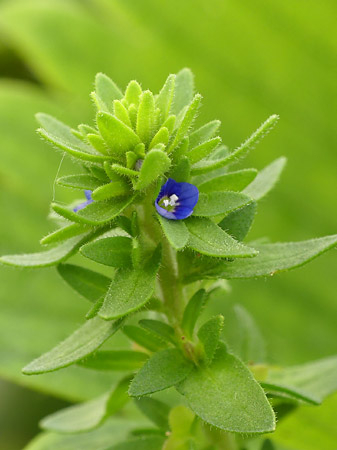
<point x="250" y="59"/>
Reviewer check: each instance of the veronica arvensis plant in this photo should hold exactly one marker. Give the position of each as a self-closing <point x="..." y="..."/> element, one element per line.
<point x="166" y="211"/>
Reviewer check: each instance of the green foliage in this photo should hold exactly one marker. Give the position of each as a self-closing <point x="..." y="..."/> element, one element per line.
<point x="115" y="360"/>
<point x="89" y="284"/>
<point x="207" y="238"/>
<point x="138" y="140"/>
<point x="164" y="369"/>
<point x="231" y="390"/>
<point x="209" y="335"/>
<point x="81" y="343"/>
<point x="192" y="311"/>
<point x="130" y="290"/>
<point x="88" y="415"/>
<point x="112" y="251"/>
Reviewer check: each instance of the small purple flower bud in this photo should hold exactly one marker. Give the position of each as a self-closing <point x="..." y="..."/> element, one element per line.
<point x="87" y="194"/>
<point x="176" y="200"/>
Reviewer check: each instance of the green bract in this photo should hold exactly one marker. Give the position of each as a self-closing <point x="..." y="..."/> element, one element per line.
<point x="155" y="284"/>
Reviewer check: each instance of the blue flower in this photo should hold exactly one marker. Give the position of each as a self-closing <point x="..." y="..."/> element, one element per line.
<point x="84" y="204"/>
<point x="176" y="200"/>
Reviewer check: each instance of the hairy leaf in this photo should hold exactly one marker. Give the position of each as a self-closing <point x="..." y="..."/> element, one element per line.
<point x="207" y="238"/>
<point x="155" y="164"/>
<point x="81" y="181"/>
<point x="155" y="410"/>
<point x="234" y="401"/>
<point x="311" y="382"/>
<point x="96" y="213"/>
<point x="204" y="133"/>
<point x="209" y="335"/>
<point x="165" y="97"/>
<point x="145" y="117"/>
<point x="89" y="284"/>
<point x="175" y="231"/>
<point x="106" y="91"/>
<point x="78" y="345"/>
<point x="184" y="89"/>
<point x="217" y="203"/>
<point x="163" y="370"/>
<point x="192" y="311"/>
<point x="130" y="290"/>
<point x="144" y="338"/>
<point x="239" y="222"/>
<point x="45" y="259"/>
<point x="88" y="415"/>
<point x="64" y="233"/>
<point x="274" y="258"/>
<point x="265" y="180"/>
<point x="118" y="136"/>
<point x="60" y="135"/>
<point x="115" y="360"/>
<point x="231" y="181"/>
<point x="112" y="251"/>
<point x="161" y="329"/>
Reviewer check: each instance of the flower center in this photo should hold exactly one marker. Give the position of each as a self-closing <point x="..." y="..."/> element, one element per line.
<point x="169" y="203"/>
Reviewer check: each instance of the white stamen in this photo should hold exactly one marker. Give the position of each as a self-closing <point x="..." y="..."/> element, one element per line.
<point x="172" y="201"/>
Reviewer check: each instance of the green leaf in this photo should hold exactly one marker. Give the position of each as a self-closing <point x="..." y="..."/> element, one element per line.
<point x="192" y="311"/>
<point x="115" y="360"/>
<point x="207" y="238"/>
<point x="65" y="233"/>
<point x="79" y="181"/>
<point x="133" y="92"/>
<point x="112" y="431"/>
<point x="181" y="172"/>
<point x="184" y="89"/>
<point x="77" y="346"/>
<point x="175" y="231"/>
<point x="130" y="290"/>
<point x="88" y="415"/>
<point x="239" y="222"/>
<point x="112" y="189"/>
<point x="89" y="284"/>
<point x="161" y="329"/>
<point x="60" y="135"/>
<point x="98" y="143"/>
<point x="314" y="380"/>
<point x="96" y="213"/>
<point x="45" y="259"/>
<point x="106" y="92"/>
<point x="155" y="164"/>
<point x="266" y="179"/>
<point x="118" y="136"/>
<point x="274" y="258"/>
<point x="141" y="443"/>
<point x="164" y="369"/>
<point x="121" y="113"/>
<point x="145" y="117"/>
<point x="186" y="122"/>
<point x="208" y="165"/>
<point x="231" y="181"/>
<point x="234" y="402"/>
<point x="204" y="133"/>
<point x="165" y="97"/>
<point x="155" y="410"/>
<point x="254" y="139"/>
<point x="209" y="335"/>
<point x="203" y="150"/>
<point x="220" y="203"/>
<point x="247" y="341"/>
<point x="143" y="338"/>
<point x="161" y="137"/>
<point x="112" y="251"/>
